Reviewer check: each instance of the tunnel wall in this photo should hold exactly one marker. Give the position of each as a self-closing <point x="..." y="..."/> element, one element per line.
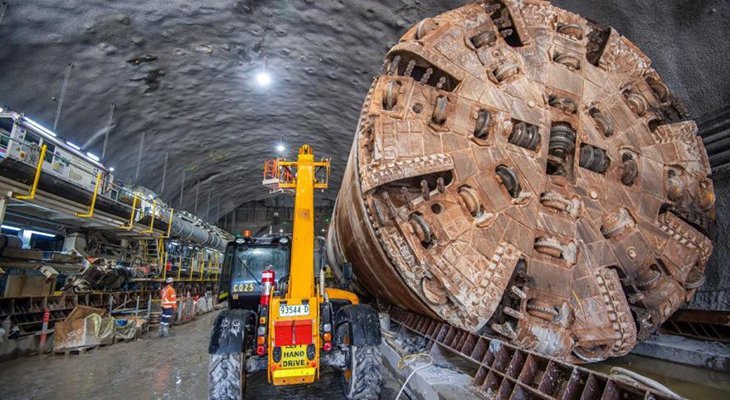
<point x="276" y="212"/>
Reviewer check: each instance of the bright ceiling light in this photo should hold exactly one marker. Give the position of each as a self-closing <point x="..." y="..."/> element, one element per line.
<point x="263" y="78"/>
<point x="11" y="228"/>
<point x="111" y="169"/>
<point x="73" y="145"/>
<point x="39" y="127"/>
<point x="44" y="234"/>
<point x="93" y="156"/>
<point x="280" y="148"/>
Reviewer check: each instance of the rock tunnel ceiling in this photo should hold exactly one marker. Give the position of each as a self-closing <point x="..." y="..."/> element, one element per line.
<point x="521" y="171"/>
<point x="182" y="72"/>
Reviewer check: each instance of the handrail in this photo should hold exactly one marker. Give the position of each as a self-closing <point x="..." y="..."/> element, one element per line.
<point x="169" y="224"/>
<point x="152" y="219"/>
<point x="206" y="265"/>
<point x="36" y="178"/>
<point x="104" y="185"/>
<point x="130" y="225"/>
<point x="90" y="213"/>
<point x="202" y="260"/>
<point x="164" y="266"/>
<point x="179" y="268"/>
<point x="107" y="184"/>
<point x="191" y="267"/>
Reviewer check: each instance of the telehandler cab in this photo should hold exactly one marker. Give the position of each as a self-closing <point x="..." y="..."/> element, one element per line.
<point x="294" y="326"/>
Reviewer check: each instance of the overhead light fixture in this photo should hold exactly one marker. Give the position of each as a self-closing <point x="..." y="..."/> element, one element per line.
<point x="39" y="127"/>
<point x="2" y="109"/>
<point x="280" y="148"/>
<point x="10" y="228"/>
<point x="263" y="78"/>
<point x="111" y="169"/>
<point x="73" y="145"/>
<point x="92" y="156"/>
<point x="31" y="232"/>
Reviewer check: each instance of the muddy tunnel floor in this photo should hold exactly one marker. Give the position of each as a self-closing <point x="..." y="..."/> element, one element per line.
<point x="152" y="368"/>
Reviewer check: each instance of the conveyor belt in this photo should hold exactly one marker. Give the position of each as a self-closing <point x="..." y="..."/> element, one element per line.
<point x="184" y="226"/>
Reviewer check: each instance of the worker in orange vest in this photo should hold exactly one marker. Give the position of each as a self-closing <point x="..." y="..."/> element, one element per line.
<point x="169" y="306"/>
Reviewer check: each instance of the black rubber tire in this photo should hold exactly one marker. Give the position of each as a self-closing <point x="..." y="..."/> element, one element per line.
<point x="365" y="378"/>
<point x="226" y="377"/>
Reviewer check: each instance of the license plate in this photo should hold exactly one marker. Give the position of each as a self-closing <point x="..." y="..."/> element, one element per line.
<point x="293" y="311"/>
<point x="243" y="287"/>
<point x="294" y="356"/>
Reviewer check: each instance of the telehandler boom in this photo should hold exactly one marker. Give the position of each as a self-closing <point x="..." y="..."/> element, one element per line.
<point x="293" y="327"/>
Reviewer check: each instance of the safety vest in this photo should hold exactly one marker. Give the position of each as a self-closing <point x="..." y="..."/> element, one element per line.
<point x="169" y="297"/>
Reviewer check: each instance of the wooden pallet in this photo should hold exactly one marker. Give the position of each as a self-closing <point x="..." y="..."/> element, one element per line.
<point x="75" y="350"/>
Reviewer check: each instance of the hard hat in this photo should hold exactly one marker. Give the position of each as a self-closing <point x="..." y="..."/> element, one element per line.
<point x="168" y="280"/>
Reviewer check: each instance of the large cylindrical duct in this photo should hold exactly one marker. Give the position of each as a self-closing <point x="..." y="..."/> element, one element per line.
<point x="520" y="171"/>
<point x="190" y="229"/>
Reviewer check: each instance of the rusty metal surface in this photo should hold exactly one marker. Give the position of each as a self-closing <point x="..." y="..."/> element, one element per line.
<point x="520" y="171"/>
<point x="507" y="372"/>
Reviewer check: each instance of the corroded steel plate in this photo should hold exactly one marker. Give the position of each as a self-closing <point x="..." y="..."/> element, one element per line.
<point x="520" y="171"/>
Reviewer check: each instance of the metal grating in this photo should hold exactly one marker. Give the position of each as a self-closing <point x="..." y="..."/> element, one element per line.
<point x="697" y="330"/>
<point x="700" y="324"/>
<point x="714" y="129"/>
<point x="506" y="372"/>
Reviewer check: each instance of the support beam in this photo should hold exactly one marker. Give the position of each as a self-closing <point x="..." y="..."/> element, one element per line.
<point x="677" y="349"/>
<point x="182" y="190"/>
<point x="2" y="12"/>
<point x="197" y="192"/>
<point x="108" y="131"/>
<point x="164" y="173"/>
<point x="233" y="227"/>
<point x="207" y="215"/>
<point x="4" y="205"/>
<point x="139" y="156"/>
<point x="62" y="96"/>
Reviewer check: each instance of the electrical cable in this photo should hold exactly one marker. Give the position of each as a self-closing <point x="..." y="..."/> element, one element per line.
<point x="643" y="380"/>
<point x="405" y="361"/>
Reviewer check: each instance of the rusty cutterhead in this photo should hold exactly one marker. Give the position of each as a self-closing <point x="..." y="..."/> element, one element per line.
<point x="520" y="171"/>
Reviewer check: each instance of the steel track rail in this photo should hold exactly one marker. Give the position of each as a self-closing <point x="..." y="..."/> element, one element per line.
<point x="507" y="372"/>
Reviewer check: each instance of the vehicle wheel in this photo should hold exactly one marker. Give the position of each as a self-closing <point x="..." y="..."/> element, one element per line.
<point x="362" y="380"/>
<point x="226" y="377"/>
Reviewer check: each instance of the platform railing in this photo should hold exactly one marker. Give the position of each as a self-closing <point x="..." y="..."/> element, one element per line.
<point x="138" y="205"/>
<point x="196" y="267"/>
<point x="103" y="184"/>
